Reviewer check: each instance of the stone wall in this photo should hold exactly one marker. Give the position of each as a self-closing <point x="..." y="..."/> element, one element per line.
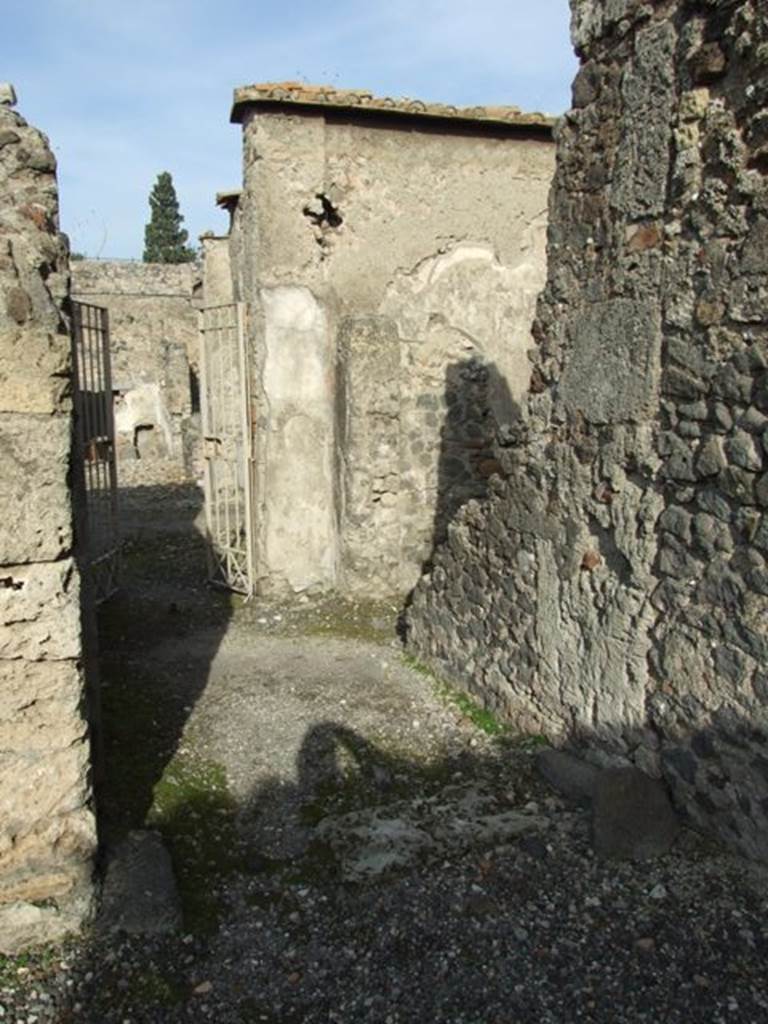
<point x="613" y="590"/>
<point x="391" y="265"/>
<point x="154" y="342"/>
<point x="47" y="832"/>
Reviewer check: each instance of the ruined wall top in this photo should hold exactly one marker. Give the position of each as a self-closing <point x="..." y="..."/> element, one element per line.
<point x="126" y="277"/>
<point x="595" y="20"/>
<point x="271" y="94"/>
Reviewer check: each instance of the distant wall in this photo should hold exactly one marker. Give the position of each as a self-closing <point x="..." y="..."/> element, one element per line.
<point x="154" y="337"/>
<point x="391" y="270"/>
<point x="613" y="590"/>
<point x="47" y="831"/>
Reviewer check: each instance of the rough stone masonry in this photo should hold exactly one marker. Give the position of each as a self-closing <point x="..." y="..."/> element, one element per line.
<point x="613" y="590"/>
<point x="47" y="831"/>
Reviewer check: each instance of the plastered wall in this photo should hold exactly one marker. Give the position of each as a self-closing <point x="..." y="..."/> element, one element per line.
<point x="391" y="269"/>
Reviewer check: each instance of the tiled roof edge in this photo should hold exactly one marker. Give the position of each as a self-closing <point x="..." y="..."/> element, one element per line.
<point x="296" y="93"/>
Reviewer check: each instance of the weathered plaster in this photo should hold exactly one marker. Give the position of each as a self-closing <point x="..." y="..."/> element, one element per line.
<point x="298" y="525"/>
<point x="423" y="246"/>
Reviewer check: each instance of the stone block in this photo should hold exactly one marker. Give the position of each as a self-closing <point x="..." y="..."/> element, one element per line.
<point x="632" y="817"/>
<point x="40" y="611"/>
<point x="707" y="64"/>
<point x="32" y="372"/>
<point x="591" y="18"/>
<point x="647" y="92"/>
<point x="35" y="504"/>
<point x="39" y="787"/>
<point x="40" y="705"/>
<point x="623" y="338"/>
<point x="571" y="776"/>
<point x="711" y="457"/>
<point x="24" y="925"/>
<point x="50" y="860"/>
<point x="140" y="895"/>
<point x="738" y="484"/>
<point x="744" y="450"/>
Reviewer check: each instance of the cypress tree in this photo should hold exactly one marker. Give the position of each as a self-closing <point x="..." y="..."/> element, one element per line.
<point x="164" y="237"/>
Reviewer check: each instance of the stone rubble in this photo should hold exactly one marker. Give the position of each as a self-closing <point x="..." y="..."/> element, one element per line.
<point x="460" y="818"/>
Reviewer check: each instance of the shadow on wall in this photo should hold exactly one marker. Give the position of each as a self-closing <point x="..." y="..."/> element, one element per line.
<point x="477" y="399"/>
<point x="479" y="409"/>
<point x="157" y="638"/>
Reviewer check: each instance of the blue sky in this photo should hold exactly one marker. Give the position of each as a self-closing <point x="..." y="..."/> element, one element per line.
<point x="128" y="89"/>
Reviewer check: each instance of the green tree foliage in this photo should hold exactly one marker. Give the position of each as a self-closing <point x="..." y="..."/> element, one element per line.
<point x="164" y="237"/>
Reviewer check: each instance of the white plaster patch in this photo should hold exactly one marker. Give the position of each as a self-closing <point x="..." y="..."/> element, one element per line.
<point x="293" y="308"/>
<point x="297" y="356"/>
<point x="300" y="535"/>
<point x="432" y="269"/>
<point x="143" y="406"/>
<point x="300" y="538"/>
<point x="468" y="295"/>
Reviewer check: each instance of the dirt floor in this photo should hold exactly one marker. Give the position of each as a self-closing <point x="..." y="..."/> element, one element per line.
<point x="233" y="727"/>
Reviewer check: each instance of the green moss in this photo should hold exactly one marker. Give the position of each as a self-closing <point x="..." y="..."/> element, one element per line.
<point x="481" y="717"/>
<point x="485" y="720"/>
<point x="417" y="666"/>
<point x="34" y="963"/>
<point x="195" y="812"/>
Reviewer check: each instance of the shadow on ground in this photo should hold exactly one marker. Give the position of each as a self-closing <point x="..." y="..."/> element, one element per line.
<point x="533" y="928"/>
<point x="163" y="605"/>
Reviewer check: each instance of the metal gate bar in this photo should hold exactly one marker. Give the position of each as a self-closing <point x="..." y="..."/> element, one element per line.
<point x="226" y="421"/>
<point x="95" y="446"/>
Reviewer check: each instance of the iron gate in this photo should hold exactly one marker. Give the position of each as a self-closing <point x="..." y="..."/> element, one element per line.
<point x="95" y="447"/>
<point x="225" y="406"/>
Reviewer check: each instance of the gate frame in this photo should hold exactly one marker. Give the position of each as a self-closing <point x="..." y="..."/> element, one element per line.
<point x="221" y="557"/>
<point x="96" y="458"/>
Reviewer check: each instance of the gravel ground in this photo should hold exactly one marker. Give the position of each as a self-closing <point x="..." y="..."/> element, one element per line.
<point x="541" y="933"/>
<point x="302" y="727"/>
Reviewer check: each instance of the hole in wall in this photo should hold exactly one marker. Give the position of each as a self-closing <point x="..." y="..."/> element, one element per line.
<point x="141" y="435"/>
<point x="194" y="391"/>
<point x="9" y="583"/>
<point x="323" y="213"/>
